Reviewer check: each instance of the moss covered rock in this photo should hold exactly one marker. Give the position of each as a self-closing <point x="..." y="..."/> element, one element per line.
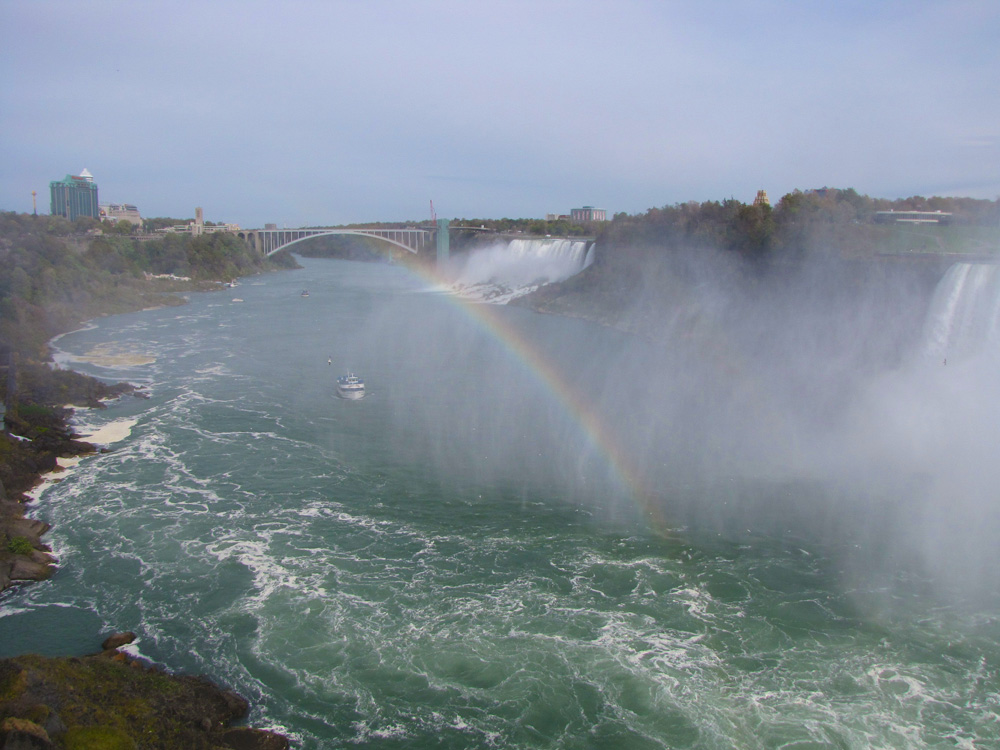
<point x="119" y="703"/>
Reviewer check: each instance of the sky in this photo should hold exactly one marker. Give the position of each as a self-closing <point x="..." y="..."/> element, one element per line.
<point x="309" y="113"/>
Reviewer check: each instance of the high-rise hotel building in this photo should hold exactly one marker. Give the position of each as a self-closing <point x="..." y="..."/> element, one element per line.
<point x="588" y="213"/>
<point x="74" y="196"/>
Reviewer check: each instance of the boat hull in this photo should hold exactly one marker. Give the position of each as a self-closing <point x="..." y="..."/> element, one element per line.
<point x="350" y="386"/>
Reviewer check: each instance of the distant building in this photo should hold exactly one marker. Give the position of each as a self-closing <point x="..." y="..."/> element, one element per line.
<point x="198" y="226"/>
<point x="588" y="213"/>
<point x="761" y="199"/>
<point x="913" y="217"/>
<point x="75" y="196"/>
<point x="557" y="217"/>
<point x="115" y="212"/>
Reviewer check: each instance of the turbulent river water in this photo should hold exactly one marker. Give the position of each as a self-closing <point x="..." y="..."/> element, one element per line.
<point x="459" y="559"/>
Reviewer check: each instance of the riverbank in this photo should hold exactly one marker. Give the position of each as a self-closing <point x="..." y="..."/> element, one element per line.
<point x="107" y="699"/>
<point x="39" y="398"/>
<point x="111" y="700"/>
<point x="37" y="436"/>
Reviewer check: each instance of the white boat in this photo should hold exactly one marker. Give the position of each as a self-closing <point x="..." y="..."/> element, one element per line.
<point x="350" y="386"/>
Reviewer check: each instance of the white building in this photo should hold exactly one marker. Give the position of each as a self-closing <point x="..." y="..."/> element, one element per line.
<point x="198" y="226"/>
<point x="115" y="212"/>
<point x="589" y="213"/>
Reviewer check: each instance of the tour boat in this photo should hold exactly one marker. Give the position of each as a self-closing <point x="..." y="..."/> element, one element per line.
<point x="350" y="386"/>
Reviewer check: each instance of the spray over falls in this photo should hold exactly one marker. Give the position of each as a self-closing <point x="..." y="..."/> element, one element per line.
<point x="757" y="401"/>
<point x="929" y="434"/>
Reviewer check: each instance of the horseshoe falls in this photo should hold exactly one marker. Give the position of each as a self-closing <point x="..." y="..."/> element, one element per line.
<point x="449" y="562"/>
<point x="965" y="312"/>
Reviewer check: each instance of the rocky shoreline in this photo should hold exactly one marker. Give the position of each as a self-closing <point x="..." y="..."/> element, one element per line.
<point x="36" y="435"/>
<point x="110" y="700"/>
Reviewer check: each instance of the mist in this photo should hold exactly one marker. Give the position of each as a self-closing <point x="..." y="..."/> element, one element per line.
<point x="846" y="408"/>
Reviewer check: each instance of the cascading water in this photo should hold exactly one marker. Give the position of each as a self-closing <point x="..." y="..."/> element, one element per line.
<point x="935" y="422"/>
<point x="964" y="318"/>
<point x="505" y="271"/>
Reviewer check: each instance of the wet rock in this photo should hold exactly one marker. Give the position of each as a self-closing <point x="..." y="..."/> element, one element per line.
<point x="234" y="705"/>
<point x="180" y="711"/>
<point x="42" y="557"/>
<point x="24" y="569"/>
<point x="117" y="640"/>
<point x="244" y="738"/>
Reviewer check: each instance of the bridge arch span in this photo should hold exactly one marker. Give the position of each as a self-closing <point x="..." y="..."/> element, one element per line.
<point x="270" y="241"/>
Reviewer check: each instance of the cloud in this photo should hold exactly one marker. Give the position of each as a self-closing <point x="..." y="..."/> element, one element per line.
<point x="338" y="112"/>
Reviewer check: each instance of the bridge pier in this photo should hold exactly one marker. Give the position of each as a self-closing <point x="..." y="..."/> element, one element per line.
<point x="443" y="242"/>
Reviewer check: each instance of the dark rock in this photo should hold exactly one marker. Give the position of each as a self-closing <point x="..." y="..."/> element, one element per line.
<point x="24" y="569"/>
<point x="117" y="640"/>
<point x="21" y="734"/>
<point x="42" y="557"/>
<point x="53" y="723"/>
<point x="244" y="738"/>
<point x="235" y="705"/>
<point x="29" y="528"/>
<point x="137" y="704"/>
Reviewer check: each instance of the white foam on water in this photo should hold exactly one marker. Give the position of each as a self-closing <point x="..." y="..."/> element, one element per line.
<point x="8" y="611"/>
<point x="111" y="433"/>
<point x="112" y="356"/>
<point x="64" y="467"/>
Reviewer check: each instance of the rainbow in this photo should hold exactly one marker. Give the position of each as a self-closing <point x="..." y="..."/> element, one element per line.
<point x="598" y="434"/>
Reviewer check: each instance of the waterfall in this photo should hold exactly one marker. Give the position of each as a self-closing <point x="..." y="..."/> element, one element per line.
<point x="505" y="271"/>
<point x="569" y="255"/>
<point x="964" y="317"/>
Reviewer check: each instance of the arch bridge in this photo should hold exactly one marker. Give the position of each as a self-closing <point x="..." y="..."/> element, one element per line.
<point x="270" y="241"/>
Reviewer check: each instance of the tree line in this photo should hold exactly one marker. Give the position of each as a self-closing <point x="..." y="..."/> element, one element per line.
<point x="56" y="275"/>
<point x="832" y="221"/>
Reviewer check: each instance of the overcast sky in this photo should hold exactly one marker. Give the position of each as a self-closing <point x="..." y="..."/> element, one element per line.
<point x="317" y="113"/>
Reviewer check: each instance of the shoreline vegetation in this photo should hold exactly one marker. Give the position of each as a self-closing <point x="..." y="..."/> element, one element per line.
<point x="58" y="276"/>
<point x="112" y="701"/>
